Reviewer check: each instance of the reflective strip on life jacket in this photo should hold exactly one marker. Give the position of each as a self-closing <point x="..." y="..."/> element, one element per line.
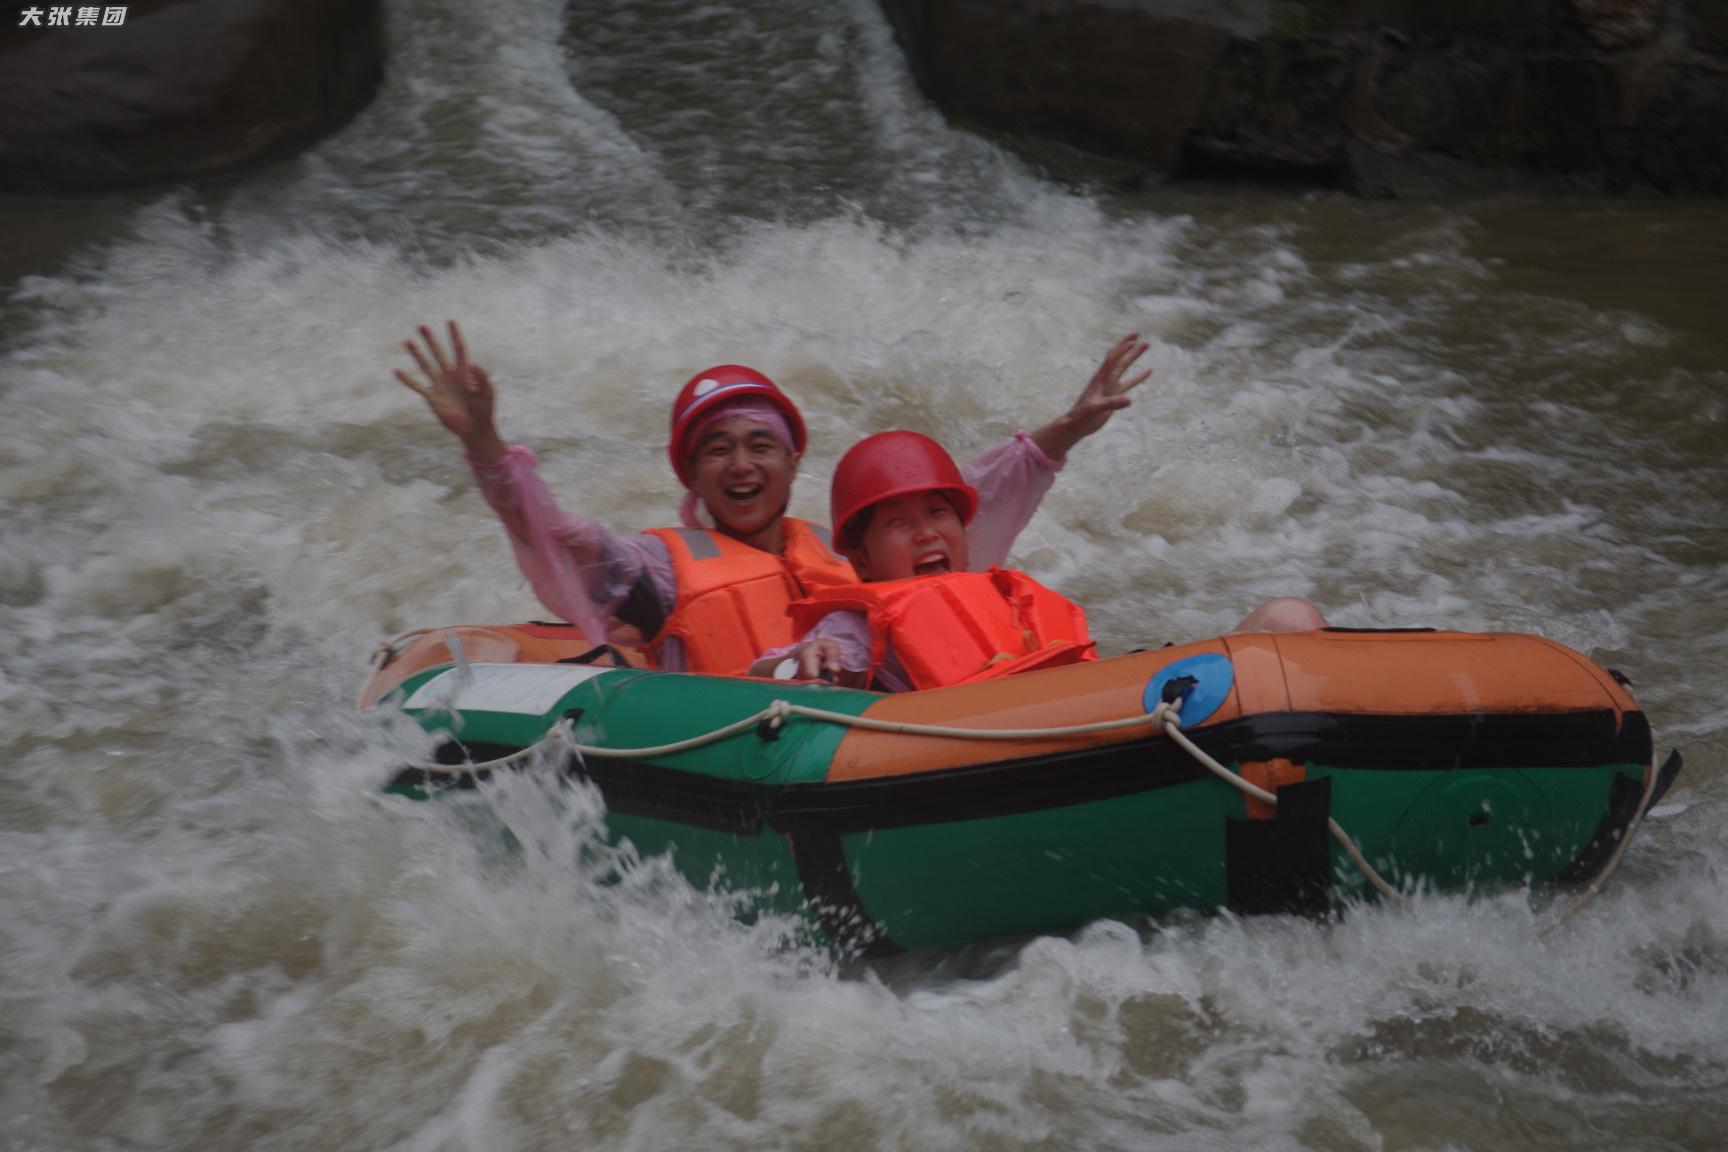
<point x="732" y="598"/>
<point x="960" y="627"/>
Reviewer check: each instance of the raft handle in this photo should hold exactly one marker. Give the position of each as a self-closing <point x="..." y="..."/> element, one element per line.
<point x="1371" y="631"/>
<point x="1665" y="776"/>
<point x="595" y="653"/>
<point x="1656" y="784"/>
<point x="1178" y="687"/>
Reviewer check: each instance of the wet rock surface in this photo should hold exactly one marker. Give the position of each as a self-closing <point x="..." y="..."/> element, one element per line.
<point x="1382" y="97"/>
<point x="180" y="88"/>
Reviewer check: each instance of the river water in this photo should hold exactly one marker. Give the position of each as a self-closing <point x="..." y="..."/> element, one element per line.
<point x="214" y="934"/>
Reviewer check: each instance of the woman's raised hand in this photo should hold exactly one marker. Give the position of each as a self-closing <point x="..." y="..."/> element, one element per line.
<point x="1107" y="391"/>
<point x="458" y="392"/>
<point x="1103" y="396"/>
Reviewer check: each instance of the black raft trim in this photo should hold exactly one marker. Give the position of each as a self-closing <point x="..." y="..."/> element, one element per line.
<point x="1283" y="864"/>
<point x="455" y="754"/>
<point x="1624" y="796"/>
<point x="1030" y="784"/>
<point x="828" y="888"/>
<point x="1085" y="775"/>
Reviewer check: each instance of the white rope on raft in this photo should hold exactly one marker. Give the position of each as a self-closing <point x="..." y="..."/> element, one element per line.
<point x="1165" y="717"/>
<point x="776" y="714"/>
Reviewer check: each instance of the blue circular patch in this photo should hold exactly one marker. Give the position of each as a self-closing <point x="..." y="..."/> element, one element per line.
<point x="1213" y="675"/>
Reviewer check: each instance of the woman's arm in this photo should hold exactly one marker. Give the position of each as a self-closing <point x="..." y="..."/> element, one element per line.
<point x="1012" y="478"/>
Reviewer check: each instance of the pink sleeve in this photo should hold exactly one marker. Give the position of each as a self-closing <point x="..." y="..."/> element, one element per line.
<point x="1011" y="479"/>
<point x="851" y="629"/>
<point x="579" y="568"/>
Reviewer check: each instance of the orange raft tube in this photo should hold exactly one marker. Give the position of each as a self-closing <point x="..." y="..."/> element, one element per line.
<point x="1452" y="760"/>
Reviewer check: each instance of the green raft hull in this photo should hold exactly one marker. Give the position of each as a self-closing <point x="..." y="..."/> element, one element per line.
<point x="1128" y="826"/>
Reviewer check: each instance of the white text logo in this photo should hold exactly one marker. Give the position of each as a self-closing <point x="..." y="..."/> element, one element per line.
<point x="108" y="16"/>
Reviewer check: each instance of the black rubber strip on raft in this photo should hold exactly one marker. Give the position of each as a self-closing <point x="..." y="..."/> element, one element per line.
<point x="453" y="754"/>
<point x="1084" y="775"/>
<point x="1624" y="796"/>
<point x="630" y="787"/>
<point x="828" y="887"/>
<point x="1283" y="864"/>
<point x="1375" y="631"/>
<point x="1665" y="776"/>
<point x="1436" y="743"/>
<point x="1104" y="772"/>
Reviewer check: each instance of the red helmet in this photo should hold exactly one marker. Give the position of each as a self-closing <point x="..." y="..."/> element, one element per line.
<point x="891" y="464"/>
<point x="717" y="385"/>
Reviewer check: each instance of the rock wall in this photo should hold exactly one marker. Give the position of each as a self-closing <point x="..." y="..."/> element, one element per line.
<point x="182" y="88"/>
<point x="1383" y="97"/>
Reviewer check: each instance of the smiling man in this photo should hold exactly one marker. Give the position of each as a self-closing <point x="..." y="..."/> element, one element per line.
<point x="735" y="442"/>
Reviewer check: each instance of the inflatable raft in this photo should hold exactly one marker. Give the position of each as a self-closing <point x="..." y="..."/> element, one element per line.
<point x="1037" y="803"/>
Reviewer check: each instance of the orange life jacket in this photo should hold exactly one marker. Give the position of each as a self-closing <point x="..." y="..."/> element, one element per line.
<point x="960" y="627"/>
<point x="732" y="598"/>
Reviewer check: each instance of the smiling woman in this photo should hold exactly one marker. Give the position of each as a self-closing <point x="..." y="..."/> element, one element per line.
<point x="712" y="595"/>
<point x="923" y="616"/>
<point x="918" y="618"/>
